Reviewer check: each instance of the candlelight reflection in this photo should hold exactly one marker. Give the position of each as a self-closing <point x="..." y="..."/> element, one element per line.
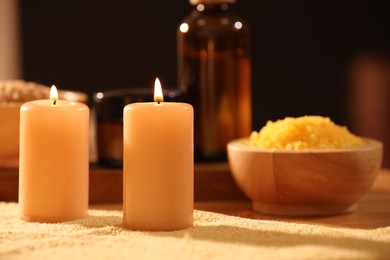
<point x="184" y="27"/>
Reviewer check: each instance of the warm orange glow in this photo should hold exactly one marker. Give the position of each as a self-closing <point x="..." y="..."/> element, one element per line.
<point x="53" y="94"/>
<point x="158" y="95"/>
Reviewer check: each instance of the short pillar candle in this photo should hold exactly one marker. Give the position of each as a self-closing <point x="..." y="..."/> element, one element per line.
<point x="54" y="160"/>
<point x="158" y="165"/>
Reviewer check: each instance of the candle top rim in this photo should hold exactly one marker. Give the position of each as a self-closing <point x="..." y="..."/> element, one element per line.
<point x="161" y="104"/>
<point x="60" y="104"/>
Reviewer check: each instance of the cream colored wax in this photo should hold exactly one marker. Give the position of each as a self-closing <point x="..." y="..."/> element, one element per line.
<point x="158" y="166"/>
<point x="53" y="166"/>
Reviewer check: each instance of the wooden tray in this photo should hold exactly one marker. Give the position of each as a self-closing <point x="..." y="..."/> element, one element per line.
<point x="211" y="182"/>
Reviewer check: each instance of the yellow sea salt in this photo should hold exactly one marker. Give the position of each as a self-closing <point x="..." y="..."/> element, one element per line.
<point x="306" y="132"/>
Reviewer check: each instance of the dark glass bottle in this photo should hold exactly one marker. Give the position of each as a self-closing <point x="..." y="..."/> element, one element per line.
<point x="214" y="70"/>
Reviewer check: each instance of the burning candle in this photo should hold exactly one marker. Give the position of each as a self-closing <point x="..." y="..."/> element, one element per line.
<point x="54" y="162"/>
<point x="158" y="161"/>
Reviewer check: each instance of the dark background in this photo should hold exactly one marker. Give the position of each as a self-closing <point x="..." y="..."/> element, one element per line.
<point x="301" y="50"/>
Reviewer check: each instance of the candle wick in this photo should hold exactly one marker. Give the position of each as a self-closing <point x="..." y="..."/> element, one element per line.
<point x="55" y="101"/>
<point x="158" y="102"/>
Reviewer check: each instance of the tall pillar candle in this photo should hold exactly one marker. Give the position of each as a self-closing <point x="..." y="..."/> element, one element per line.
<point x="158" y="169"/>
<point x="54" y="162"/>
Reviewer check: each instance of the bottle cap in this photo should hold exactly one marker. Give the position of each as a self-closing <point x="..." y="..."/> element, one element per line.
<point x="196" y="2"/>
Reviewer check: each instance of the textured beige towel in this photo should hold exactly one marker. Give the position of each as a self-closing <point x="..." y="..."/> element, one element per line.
<point x="214" y="236"/>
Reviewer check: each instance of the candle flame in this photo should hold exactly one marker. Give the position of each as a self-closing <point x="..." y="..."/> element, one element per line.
<point x="53" y="94"/>
<point x="158" y="95"/>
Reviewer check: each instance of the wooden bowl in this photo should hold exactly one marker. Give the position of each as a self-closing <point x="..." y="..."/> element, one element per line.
<point x="305" y="182"/>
